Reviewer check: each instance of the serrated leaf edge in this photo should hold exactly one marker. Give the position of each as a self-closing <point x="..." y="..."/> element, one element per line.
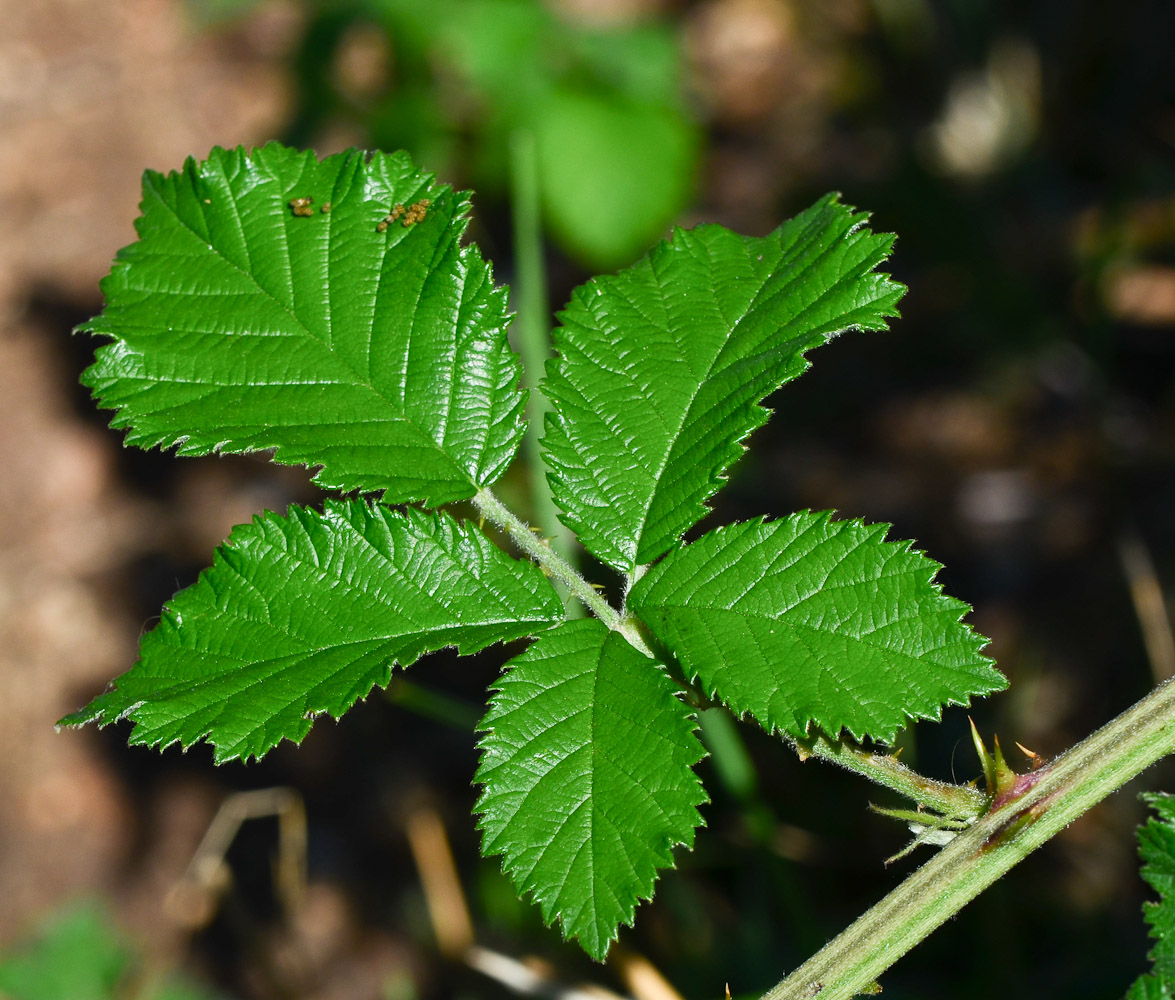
<point x="333" y="510"/>
<point x="902" y="547"/>
<point x="663" y="851"/>
<point x="320" y="475"/>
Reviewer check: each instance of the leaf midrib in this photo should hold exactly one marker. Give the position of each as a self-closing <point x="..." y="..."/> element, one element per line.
<point x="360" y="381"/>
<point x="694" y="610"/>
<point x="812" y="234"/>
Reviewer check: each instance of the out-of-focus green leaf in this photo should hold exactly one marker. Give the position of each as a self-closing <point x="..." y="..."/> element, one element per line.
<point x="501" y="48"/>
<point x="79" y="955"/>
<point x="640" y="61"/>
<point x="618" y="150"/>
<point x="614" y="173"/>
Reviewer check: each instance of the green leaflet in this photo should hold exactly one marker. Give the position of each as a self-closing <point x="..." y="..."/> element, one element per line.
<point x="662" y="367"/>
<point x="240" y="326"/>
<point x="808" y="621"/>
<point x="587" y="778"/>
<point x="1149" y="988"/>
<point x="305" y="614"/>
<point x="1156" y="846"/>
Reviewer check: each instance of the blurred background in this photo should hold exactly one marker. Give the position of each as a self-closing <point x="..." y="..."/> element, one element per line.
<point x="1018" y="421"/>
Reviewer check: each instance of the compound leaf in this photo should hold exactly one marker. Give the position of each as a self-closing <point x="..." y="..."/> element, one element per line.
<point x="244" y="319"/>
<point x="1156" y="843"/>
<point x="588" y="781"/>
<point x="662" y="367"/>
<point x="306" y="613"/>
<point x="807" y="620"/>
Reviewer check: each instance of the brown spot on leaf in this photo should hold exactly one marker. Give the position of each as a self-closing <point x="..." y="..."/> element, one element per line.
<point x="415" y="212"/>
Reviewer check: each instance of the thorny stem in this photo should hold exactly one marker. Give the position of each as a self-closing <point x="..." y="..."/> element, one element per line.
<point x="954" y="801"/>
<point x="496" y="512"/>
<point x="1043" y="803"/>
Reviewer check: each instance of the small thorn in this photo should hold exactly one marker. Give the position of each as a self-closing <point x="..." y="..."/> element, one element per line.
<point x="1005" y="777"/>
<point x="985" y="759"/>
<point x="1035" y="760"/>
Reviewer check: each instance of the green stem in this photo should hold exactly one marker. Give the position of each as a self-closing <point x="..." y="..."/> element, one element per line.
<point x="532" y="329"/>
<point x="1054" y="796"/>
<point x="432" y="704"/>
<point x="955" y="801"/>
<point x="496" y="512"/>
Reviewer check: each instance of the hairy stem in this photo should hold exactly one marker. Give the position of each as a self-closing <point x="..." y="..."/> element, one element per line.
<point x="956" y="801"/>
<point x="496" y="512"/>
<point x="1042" y="803"/>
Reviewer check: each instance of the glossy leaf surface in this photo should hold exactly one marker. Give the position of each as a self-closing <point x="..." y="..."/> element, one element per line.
<point x="588" y="781"/>
<point x="305" y="614"/>
<point x="244" y="319"/>
<point x="1156" y="845"/>
<point x="809" y="621"/>
<point x="662" y="367"/>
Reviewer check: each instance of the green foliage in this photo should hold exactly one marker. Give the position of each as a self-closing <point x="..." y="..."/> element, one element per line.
<point x="1156" y="846"/>
<point x="242" y="326"/>
<point x="604" y="105"/>
<point x="614" y="172"/>
<point x="268" y="639"/>
<point x="617" y="151"/>
<point x="244" y="320"/>
<point x="812" y="621"/>
<point x="587" y="777"/>
<point x="662" y="367"/>
<point x="77" y="955"/>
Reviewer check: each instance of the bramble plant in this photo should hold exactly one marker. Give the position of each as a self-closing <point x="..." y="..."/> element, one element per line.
<point x="1156" y="840"/>
<point x="328" y="312"/>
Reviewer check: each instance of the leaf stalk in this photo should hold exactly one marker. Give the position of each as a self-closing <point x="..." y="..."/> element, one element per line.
<point x="497" y="513"/>
<point x="953" y="801"/>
